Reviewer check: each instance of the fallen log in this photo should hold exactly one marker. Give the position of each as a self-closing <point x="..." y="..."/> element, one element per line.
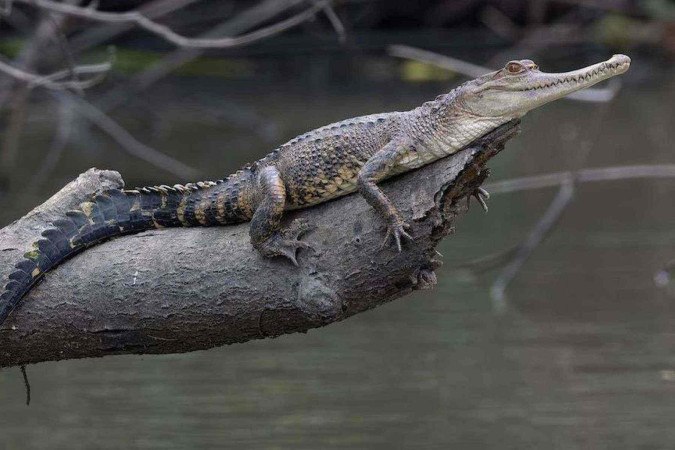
<point x="185" y="289"/>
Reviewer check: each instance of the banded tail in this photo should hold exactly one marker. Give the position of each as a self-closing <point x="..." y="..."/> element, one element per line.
<point x="117" y="212"/>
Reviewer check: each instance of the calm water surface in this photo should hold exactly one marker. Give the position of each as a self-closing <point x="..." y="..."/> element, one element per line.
<point x="583" y="356"/>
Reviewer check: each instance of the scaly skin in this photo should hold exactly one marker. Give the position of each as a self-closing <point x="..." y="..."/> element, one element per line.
<point x="326" y="163"/>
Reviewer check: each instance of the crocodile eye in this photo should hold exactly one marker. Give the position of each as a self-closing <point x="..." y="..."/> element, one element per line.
<point x="514" y="67"/>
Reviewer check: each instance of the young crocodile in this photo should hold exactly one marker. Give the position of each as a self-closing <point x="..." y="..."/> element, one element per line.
<point x="320" y="165"/>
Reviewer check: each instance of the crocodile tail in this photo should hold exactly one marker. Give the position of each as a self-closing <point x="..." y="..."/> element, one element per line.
<point x="117" y="212"/>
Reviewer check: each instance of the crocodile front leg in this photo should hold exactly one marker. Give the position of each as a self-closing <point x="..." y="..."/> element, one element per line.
<point x="378" y="167"/>
<point x="265" y="230"/>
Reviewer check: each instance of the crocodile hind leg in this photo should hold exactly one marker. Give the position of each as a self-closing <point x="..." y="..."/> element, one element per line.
<point x="265" y="229"/>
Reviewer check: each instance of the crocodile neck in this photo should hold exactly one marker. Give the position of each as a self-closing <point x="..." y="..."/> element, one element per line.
<point x="440" y="128"/>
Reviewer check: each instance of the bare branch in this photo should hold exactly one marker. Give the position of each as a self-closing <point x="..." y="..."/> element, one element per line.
<point x="444" y="62"/>
<point x="472" y="71"/>
<point x="236" y="114"/>
<point x="57" y="146"/>
<point x="545" y="224"/>
<point x="9" y="146"/>
<point x="52" y="81"/>
<point x="31" y="52"/>
<point x="335" y="21"/>
<point x="128" y="142"/>
<point x="171" y="36"/>
<point x="244" y="21"/>
<point x="534" y="238"/>
<point x="493" y="261"/>
<point x="582" y="176"/>
<point x="93" y="36"/>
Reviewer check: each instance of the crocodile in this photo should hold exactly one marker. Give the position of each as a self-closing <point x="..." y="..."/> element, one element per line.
<point x="328" y="162"/>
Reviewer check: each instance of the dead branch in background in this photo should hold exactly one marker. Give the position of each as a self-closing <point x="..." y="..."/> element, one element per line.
<point x="524" y="250"/>
<point x="14" y="93"/>
<point x="166" y="33"/>
<point x="97" y="117"/>
<point x="103" y="33"/>
<point x="64" y="130"/>
<point x="582" y="176"/>
<point x="244" y="21"/>
<point x="20" y="73"/>
<point x="56" y="80"/>
<point x="335" y="21"/>
<point x="236" y="113"/>
<point x="128" y="142"/>
<point x="545" y="225"/>
<point x="543" y="181"/>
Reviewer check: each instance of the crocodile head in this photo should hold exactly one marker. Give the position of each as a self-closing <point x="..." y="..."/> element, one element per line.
<point x="520" y="86"/>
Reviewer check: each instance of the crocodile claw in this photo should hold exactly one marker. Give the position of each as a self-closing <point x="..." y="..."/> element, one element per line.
<point x="481" y="195"/>
<point x="289" y="249"/>
<point x="397" y="230"/>
<point x="286" y="242"/>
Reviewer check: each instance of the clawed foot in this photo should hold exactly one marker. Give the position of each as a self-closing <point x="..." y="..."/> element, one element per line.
<point x="481" y="195"/>
<point x="397" y="229"/>
<point x="286" y="242"/>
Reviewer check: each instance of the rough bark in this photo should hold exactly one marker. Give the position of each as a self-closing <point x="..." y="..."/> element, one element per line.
<point x="179" y="290"/>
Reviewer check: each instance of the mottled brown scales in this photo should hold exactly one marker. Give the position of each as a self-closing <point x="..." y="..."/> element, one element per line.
<point x="200" y="211"/>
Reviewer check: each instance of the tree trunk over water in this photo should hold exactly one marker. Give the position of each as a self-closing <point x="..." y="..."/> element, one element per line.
<point x="185" y="289"/>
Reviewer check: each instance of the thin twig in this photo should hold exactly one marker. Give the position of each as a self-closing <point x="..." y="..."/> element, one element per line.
<point x="236" y="114"/>
<point x="58" y="144"/>
<point x="94" y="36"/>
<point x="436" y="59"/>
<point x="171" y="36"/>
<point x="486" y="263"/>
<point x="132" y="146"/>
<point x="11" y="135"/>
<point x="473" y="70"/>
<point x="242" y="22"/>
<point x="335" y="21"/>
<point x="582" y="176"/>
<point x="551" y="217"/>
<point x="51" y="81"/>
<point x="31" y="54"/>
<point x="26" y="383"/>
<point x="525" y="249"/>
<point x="62" y="43"/>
